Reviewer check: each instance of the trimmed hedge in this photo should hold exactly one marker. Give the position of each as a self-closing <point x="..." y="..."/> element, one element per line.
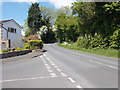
<point x="34" y="44"/>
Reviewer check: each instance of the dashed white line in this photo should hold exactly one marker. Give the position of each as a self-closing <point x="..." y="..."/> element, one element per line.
<point x="44" y="55"/>
<point x="104" y="64"/>
<point x="46" y="64"/>
<point x="63" y="74"/>
<point x="78" y="86"/>
<point x="53" y="64"/>
<point x="56" y="66"/>
<point x="47" y="67"/>
<point x="41" y="56"/>
<point x="48" y="58"/>
<point x="49" y="70"/>
<point x="73" y="81"/>
<point x="59" y="70"/>
<point x="53" y="74"/>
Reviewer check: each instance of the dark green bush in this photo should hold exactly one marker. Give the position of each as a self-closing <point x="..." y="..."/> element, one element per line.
<point x="35" y="44"/>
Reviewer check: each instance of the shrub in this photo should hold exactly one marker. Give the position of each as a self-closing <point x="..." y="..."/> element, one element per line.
<point x="20" y="49"/>
<point x="34" y="44"/>
<point x="115" y="40"/>
<point x="83" y="41"/>
<point x="26" y="46"/>
<point x="4" y="50"/>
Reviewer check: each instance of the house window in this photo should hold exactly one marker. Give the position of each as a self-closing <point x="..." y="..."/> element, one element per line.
<point x="12" y="30"/>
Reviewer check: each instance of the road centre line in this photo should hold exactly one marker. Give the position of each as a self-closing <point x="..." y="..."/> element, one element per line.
<point x="63" y="74"/>
<point x="104" y="64"/>
<point x="53" y="74"/>
<point x="49" y="70"/>
<point x="53" y="64"/>
<point x="73" y="81"/>
<point x="78" y="86"/>
<point x="56" y="66"/>
<point x="46" y="64"/>
<point x="59" y="70"/>
<point x="44" y="54"/>
<point x="47" y="67"/>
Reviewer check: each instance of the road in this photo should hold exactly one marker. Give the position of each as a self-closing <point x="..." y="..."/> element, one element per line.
<point x="61" y="68"/>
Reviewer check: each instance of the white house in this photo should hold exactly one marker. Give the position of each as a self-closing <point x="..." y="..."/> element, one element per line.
<point x="10" y="34"/>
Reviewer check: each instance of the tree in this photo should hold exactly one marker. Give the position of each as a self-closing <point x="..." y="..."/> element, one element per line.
<point x="34" y="19"/>
<point x="67" y="29"/>
<point x="47" y="19"/>
<point x="85" y="12"/>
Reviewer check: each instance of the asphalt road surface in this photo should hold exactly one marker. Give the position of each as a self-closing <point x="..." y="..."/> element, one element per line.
<point x="61" y="68"/>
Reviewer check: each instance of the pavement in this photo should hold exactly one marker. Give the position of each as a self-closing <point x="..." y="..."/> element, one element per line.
<point x="60" y="68"/>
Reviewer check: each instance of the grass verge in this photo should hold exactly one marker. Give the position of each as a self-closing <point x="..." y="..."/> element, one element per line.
<point x="105" y="52"/>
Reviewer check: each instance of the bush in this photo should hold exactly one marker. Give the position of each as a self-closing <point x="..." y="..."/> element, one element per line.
<point x="20" y="49"/>
<point x="26" y="46"/>
<point x="4" y="50"/>
<point x="34" y="44"/>
<point x="115" y="40"/>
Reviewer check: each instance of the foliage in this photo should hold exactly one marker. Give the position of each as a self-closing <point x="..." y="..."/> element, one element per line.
<point x="104" y="52"/>
<point x="34" y="19"/>
<point x="26" y="46"/>
<point x="85" y="12"/>
<point x="4" y="50"/>
<point x="20" y="49"/>
<point x="97" y="25"/>
<point x="66" y="28"/>
<point x="46" y="33"/>
<point x="35" y="44"/>
<point x="115" y="40"/>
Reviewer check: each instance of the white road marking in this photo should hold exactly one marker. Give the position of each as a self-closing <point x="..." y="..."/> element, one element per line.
<point x="63" y="74"/>
<point x="49" y="70"/>
<point x="48" y="58"/>
<point x="53" y="64"/>
<point x="78" y="86"/>
<point x="104" y="64"/>
<point x="47" y="67"/>
<point x="56" y="66"/>
<point x="46" y="64"/>
<point x="59" y="70"/>
<point x="25" y="79"/>
<point x="73" y="81"/>
<point x="41" y="56"/>
<point x="53" y="74"/>
<point x="44" y="55"/>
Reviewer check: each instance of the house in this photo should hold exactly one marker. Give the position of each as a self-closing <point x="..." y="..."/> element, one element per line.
<point x="10" y="34"/>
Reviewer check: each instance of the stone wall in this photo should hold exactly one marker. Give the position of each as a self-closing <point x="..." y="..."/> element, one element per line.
<point x="15" y="53"/>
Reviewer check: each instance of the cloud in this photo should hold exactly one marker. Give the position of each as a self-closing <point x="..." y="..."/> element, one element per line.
<point x="56" y="3"/>
<point x="33" y="1"/>
<point x="61" y="3"/>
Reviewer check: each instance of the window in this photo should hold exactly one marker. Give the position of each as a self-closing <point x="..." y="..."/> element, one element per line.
<point x="12" y="30"/>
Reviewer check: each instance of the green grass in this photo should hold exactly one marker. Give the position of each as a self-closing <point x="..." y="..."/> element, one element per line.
<point x="105" y="52"/>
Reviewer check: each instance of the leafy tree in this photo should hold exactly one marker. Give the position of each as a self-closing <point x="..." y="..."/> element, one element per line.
<point x="47" y="19"/>
<point x="66" y="28"/>
<point x="34" y="19"/>
<point x="85" y="12"/>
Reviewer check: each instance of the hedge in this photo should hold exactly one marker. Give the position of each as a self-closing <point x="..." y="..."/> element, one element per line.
<point x="34" y="44"/>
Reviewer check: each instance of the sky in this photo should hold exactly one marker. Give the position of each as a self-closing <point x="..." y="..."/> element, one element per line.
<point x="18" y="9"/>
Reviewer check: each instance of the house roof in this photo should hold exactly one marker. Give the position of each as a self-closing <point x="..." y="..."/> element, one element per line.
<point x="3" y="21"/>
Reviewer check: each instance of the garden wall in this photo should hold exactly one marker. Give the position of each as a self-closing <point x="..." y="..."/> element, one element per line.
<point x="15" y="53"/>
